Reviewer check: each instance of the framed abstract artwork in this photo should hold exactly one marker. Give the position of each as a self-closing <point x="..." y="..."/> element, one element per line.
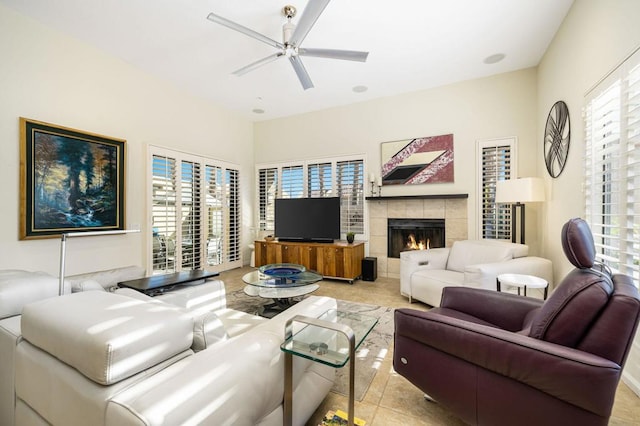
<point x="418" y="161"/>
<point x="70" y="181"/>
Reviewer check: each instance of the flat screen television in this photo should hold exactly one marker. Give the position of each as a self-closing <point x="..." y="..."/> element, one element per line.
<point x="307" y="219"/>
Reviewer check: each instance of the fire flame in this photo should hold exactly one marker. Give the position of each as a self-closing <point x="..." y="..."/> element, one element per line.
<point x="412" y="244"/>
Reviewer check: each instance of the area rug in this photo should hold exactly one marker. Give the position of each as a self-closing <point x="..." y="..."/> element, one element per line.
<point x="369" y="355"/>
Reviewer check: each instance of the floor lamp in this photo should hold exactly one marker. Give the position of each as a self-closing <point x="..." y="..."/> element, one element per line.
<point x="517" y="192"/>
<point x="63" y="247"/>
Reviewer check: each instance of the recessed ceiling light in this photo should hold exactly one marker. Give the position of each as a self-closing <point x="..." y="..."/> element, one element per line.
<point x="258" y="111"/>
<point x="360" y="89"/>
<point x="494" y="58"/>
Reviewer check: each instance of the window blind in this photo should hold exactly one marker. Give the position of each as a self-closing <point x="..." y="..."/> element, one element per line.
<point x="612" y="167"/>
<point x="267" y="192"/>
<point x="337" y="177"/>
<point x="195" y="213"/>
<point x="350" y="188"/>
<point x="233" y="215"/>
<point x="215" y="214"/>
<point x="319" y="179"/>
<point x="163" y="213"/>
<point x="190" y="216"/>
<point x="495" y="165"/>
<point x="292" y="182"/>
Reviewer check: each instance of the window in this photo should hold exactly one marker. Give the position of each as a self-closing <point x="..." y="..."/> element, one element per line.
<point x="350" y="186"/>
<point x="612" y="167"/>
<point x="342" y="178"/>
<point x="195" y="213"/>
<point x="495" y="164"/>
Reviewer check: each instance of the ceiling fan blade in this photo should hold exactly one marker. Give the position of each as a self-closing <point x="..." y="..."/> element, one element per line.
<point x="309" y="17"/>
<point x="244" y="30"/>
<point x="347" y="55"/>
<point x="257" y="64"/>
<point x="303" y="76"/>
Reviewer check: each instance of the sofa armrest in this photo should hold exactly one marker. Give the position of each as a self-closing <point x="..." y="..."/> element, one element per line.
<point x="552" y="369"/>
<point x="484" y="275"/>
<point x="415" y="260"/>
<point x="504" y="310"/>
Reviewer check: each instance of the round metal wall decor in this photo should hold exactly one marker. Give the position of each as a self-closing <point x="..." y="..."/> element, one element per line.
<point x="557" y="135"/>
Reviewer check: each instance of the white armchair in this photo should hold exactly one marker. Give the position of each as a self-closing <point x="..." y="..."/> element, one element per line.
<point x="470" y="263"/>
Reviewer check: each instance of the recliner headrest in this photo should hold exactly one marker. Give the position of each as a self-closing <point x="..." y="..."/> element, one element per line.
<point x="577" y="243"/>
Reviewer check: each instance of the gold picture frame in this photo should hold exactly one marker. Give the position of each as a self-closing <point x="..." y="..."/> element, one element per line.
<point x="70" y="181"/>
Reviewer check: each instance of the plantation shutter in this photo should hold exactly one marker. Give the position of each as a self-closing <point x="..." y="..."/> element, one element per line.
<point x="191" y="241"/>
<point x="612" y="167"/>
<point x="350" y="188"/>
<point x="292" y="182"/>
<point x="163" y="200"/>
<point x="215" y="214"/>
<point x="233" y="215"/>
<point x="267" y="191"/>
<point x="195" y="213"/>
<point x="495" y="165"/>
<point x="319" y="180"/>
<point x="329" y="178"/>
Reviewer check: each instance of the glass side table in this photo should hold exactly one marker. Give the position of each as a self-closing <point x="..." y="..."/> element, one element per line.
<point x="331" y="339"/>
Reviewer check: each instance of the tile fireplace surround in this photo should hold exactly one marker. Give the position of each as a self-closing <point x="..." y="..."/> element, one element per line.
<point x="453" y="210"/>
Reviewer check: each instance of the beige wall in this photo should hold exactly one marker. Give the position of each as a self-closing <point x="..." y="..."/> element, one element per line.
<point x="50" y="77"/>
<point x="488" y="108"/>
<point x="594" y="38"/>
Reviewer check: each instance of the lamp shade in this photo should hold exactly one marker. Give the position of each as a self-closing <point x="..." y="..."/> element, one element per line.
<point x="523" y="190"/>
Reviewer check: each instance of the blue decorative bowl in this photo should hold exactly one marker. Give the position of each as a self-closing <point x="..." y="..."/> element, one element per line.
<point x="282" y="269"/>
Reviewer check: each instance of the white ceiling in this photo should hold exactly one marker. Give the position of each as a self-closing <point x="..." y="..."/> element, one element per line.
<point x="413" y="44"/>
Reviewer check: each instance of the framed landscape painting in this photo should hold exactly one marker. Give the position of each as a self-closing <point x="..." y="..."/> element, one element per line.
<point x="70" y="181"/>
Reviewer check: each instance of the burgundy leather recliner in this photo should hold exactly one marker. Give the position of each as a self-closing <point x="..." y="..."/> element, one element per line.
<point x="500" y="359"/>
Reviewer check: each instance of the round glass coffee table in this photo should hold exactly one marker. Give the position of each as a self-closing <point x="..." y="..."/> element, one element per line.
<point x="283" y="283"/>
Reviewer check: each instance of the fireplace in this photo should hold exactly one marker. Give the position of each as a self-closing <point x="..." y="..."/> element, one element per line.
<point x="414" y="234"/>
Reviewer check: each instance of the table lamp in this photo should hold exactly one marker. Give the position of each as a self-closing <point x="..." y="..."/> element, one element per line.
<point x="517" y="192"/>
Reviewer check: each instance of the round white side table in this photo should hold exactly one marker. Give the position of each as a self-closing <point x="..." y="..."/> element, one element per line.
<point x="522" y="281"/>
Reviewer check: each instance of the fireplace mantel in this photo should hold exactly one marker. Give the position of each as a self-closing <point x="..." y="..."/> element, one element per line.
<point x="417" y="197"/>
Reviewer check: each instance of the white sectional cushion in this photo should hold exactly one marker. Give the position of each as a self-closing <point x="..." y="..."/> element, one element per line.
<point x="17" y="288"/>
<point x="87" y="285"/>
<point x="105" y="336"/>
<point x="465" y="253"/>
<point x="109" y="278"/>
<point x="517" y="250"/>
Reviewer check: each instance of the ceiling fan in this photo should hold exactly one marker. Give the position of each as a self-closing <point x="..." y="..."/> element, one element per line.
<point x="292" y="37"/>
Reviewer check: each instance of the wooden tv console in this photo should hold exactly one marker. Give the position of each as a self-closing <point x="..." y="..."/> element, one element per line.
<point x="339" y="260"/>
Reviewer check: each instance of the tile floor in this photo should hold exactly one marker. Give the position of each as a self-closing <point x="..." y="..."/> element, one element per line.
<point x="391" y="399"/>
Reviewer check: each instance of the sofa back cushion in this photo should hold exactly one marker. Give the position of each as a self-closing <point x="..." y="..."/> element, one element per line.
<point x="105" y="336"/>
<point x="17" y="288"/>
<point x="573" y="307"/>
<point x="473" y="252"/>
<point x="108" y="278"/>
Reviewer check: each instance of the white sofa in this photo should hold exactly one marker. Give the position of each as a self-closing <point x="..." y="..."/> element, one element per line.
<point x="121" y="358"/>
<point x="471" y="263"/>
